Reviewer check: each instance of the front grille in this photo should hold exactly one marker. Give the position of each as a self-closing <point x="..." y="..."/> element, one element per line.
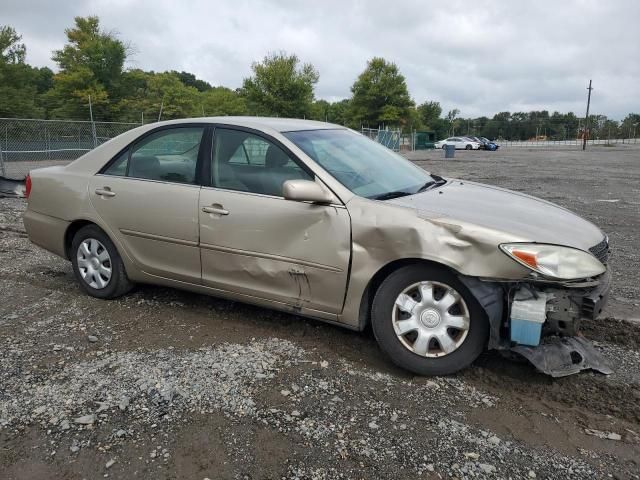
<point x="601" y="251"/>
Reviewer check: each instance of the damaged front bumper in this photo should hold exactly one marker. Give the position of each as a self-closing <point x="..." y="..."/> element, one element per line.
<point x="551" y="341"/>
<point x="571" y="304"/>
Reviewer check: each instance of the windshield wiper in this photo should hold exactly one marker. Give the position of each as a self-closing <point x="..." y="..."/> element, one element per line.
<point x="390" y="195"/>
<point x="437" y="180"/>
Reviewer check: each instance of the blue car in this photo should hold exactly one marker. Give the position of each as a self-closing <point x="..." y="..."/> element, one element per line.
<point x="487" y="144"/>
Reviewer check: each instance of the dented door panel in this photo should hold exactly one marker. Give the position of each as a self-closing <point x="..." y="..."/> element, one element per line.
<point x="291" y="252"/>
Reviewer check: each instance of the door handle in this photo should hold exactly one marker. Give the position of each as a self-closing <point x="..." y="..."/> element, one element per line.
<point x="105" y="192"/>
<point x="215" y="210"/>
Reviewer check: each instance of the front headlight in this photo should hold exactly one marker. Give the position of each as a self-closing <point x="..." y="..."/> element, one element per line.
<point x="553" y="261"/>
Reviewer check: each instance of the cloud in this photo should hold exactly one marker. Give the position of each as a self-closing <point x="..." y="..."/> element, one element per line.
<point x="481" y="57"/>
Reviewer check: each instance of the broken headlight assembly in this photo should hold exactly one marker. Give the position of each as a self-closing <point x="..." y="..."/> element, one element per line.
<point x="554" y="261"/>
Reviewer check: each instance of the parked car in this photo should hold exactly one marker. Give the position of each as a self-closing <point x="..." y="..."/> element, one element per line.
<point x="317" y="220"/>
<point x="485" y="143"/>
<point x="461" y="143"/>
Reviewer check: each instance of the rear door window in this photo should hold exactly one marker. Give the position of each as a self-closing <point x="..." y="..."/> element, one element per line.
<point x="169" y="155"/>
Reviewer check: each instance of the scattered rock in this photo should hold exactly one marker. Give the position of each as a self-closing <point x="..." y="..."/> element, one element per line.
<point x="493" y="440"/>
<point x="124" y="403"/>
<point x="92" y="338"/>
<point x="74" y="448"/>
<point x="604" y="435"/>
<point x="486" y="468"/>
<point x="86" y="419"/>
<point x="110" y="463"/>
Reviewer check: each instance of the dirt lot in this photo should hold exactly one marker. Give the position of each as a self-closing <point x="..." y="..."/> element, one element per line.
<point x="168" y="384"/>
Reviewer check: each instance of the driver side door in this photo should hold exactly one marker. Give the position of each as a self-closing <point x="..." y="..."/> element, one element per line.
<point x="256" y="243"/>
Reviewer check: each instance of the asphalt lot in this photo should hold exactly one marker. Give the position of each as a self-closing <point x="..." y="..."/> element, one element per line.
<point x="168" y="384"/>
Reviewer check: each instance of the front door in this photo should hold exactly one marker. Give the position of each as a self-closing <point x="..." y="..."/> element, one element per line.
<point x="256" y="243"/>
<point x="149" y="198"/>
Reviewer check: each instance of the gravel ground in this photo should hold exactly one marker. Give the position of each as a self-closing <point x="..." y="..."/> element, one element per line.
<point x="169" y="384"/>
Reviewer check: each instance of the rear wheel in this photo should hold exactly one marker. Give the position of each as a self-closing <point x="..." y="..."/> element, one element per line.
<point x="97" y="264"/>
<point x="444" y="147"/>
<point x="427" y="321"/>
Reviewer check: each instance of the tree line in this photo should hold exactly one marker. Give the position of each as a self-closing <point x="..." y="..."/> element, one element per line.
<point x="91" y="65"/>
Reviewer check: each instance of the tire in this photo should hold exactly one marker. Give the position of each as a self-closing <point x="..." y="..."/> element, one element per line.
<point x="444" y="147"/>
<point x="468" y="147"/>
<point x="91" y="280"/>
<point x="384" y="319"/>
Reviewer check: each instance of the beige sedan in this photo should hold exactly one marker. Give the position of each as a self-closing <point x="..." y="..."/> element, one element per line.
<point x="317" y="220"/>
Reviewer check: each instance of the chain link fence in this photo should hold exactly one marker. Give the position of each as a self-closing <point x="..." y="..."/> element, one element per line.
<point x="389" y="138"/>
<point x="26" y="144"/>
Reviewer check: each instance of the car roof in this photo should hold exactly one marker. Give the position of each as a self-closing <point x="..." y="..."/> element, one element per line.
<point x="274" y="123"/>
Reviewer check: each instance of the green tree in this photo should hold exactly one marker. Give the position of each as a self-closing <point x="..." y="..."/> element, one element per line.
<point x="149" y="92"/>
<point x="429" y="113"/>
<point x="452" y="120"/>
<point x="190" y="80"/>
<point x="222" y="101"/>
<point x="380" y="95"/>
<point x="20" y="84"/>
<point x="91" y="63"/>
<point x="339" y="113"/>
<point x="630" y="126"/>
<point x="320" y="110"/>
<point x="11" y="48"/>
<point x="280" y="86"/>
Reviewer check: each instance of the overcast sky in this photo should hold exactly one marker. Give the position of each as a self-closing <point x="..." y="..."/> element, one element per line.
<point x="482" y="57"/>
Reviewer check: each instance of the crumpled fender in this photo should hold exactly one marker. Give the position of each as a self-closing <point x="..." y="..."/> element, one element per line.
<point x="384" y="232"/>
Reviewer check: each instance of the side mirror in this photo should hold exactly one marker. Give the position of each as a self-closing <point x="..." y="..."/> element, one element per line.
<point x="305" y="191"/>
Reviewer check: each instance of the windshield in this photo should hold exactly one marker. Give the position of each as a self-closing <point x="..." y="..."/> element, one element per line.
<point x="363" y="166"/>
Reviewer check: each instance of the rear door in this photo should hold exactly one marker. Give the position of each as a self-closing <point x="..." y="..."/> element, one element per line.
<point x="256" y="243"/>
<point x="148" y="196"/>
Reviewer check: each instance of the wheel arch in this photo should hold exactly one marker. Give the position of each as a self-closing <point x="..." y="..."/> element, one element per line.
<point x="71" y="231"/>
<point x="376" y="280"/>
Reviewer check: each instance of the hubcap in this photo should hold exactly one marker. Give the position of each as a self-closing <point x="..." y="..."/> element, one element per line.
<point x="431" y="319"/>
<point x="94" y="263"/>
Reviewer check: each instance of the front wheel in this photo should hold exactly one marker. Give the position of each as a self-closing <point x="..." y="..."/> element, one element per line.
<point x="468" y="147"/>
<point x="427" y="321"/>
<point x="97" y="264"/>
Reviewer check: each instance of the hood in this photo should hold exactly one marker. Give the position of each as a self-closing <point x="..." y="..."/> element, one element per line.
<point x="528" y="218"/>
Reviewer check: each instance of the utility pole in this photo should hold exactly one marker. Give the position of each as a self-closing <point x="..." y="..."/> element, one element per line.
<point x="586" y="119"/>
